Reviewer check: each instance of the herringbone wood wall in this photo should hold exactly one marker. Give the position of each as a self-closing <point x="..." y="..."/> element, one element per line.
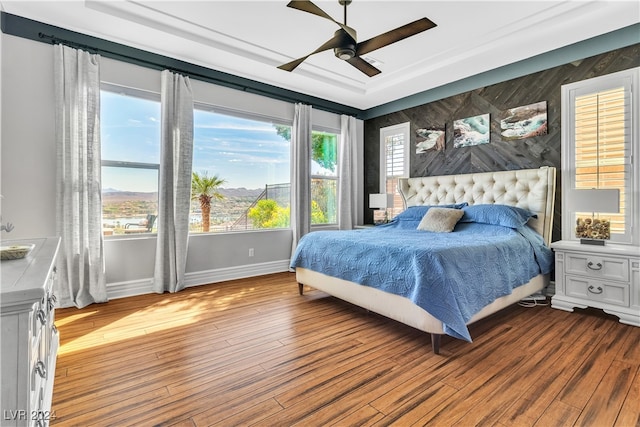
<point x="498" y="155"/>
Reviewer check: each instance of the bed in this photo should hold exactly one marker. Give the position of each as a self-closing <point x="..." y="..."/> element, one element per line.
<point x="440" y="282"/>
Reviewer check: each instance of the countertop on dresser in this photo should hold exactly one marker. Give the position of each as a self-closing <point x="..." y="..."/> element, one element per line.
<point x="22" y="280"/>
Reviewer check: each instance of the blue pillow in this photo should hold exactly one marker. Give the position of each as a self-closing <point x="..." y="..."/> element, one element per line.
<point x="506" y="216"/>
<point x="416" y="213"/>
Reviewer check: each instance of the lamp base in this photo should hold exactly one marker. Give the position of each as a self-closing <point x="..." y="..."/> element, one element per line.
<point x="595" y="242"/>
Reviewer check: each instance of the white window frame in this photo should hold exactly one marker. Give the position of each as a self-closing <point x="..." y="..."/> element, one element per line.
<point x="135" y="93"/>
<point x="403" y="129"/>
<point x="335" y="177"/>
<point x="630" y="80"/>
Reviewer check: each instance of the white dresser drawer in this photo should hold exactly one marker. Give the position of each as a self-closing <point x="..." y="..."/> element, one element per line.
<point x="598" y="290"/>
<point x="597" y="266"/>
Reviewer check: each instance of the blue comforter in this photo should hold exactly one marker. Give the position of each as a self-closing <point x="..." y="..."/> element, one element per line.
<point x="450" y="275"/>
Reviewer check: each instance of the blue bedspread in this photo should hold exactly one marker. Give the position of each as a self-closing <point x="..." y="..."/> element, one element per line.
<point x="450" y="275"/>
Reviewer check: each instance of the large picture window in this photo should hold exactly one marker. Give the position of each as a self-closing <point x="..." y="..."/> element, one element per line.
<point x="248" y="159"/>
<point x="130" y="139"/>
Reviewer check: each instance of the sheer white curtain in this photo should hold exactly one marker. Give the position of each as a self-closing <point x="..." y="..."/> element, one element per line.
<point x="300" y="174"/>
<point x="346" y="171"/>
<point x="174" y="198"/>
<point x="81" y="278"/>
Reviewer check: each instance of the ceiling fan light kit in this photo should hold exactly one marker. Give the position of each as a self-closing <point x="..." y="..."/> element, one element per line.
<point x="345" y="42"/>
<point x="344" y="52"/>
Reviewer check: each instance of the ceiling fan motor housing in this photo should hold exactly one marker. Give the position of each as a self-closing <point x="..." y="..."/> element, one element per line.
<point x="347" y="48"/>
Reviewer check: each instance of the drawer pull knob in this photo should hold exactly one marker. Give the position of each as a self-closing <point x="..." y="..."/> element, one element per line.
<point x="41" y="369"/>
<point x="52" y="302"/>
<point x="590" y="265"/>
<point x="592" y="290"/>
<point x="42" y="317"/>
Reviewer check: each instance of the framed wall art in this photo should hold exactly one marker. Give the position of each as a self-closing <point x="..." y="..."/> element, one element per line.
<point x="430" y="139"/>
<point x="471" y="131"/>
<point x="524" y="122"/>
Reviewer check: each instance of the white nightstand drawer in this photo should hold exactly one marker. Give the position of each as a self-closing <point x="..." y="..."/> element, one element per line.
<point x="598" y="290"/>
<point x="597" y="266"/>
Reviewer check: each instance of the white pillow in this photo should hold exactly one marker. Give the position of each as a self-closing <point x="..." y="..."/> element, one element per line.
<point x="440" y="220"/>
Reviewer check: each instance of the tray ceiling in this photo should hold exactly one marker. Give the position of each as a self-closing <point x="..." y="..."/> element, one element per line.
<point x="251" y="38"/>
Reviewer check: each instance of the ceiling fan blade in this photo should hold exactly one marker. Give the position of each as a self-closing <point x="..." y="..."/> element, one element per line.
<point x="335" y="41"/>
<point x="290" y="66"/>
<point x="363" y="66"/>
<point x="307" y="6"/>
<point x="393" y="36"/>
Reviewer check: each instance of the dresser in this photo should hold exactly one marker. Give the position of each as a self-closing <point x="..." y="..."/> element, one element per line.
<point x="29" y="338"/>
<point x="605" y="277"/>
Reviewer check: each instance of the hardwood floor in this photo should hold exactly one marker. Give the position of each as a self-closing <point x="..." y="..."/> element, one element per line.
<point x="254" y="352"/>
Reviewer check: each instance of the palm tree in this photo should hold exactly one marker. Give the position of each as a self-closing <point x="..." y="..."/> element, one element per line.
<point x="204" y="189"/>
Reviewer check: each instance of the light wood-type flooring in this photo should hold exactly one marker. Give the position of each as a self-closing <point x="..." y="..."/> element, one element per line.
<point x="254" y="352"/>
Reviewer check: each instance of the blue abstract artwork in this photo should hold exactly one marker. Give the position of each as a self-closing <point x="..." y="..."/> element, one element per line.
<point x="471" y="131"/>
<point x="524" y="122"/>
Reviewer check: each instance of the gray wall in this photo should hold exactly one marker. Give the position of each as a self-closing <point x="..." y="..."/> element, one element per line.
<point x="28" y="175"/>
<point x="498" y="155"/>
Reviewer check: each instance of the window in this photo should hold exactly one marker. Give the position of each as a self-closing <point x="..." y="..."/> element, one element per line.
<point x="247" y="158"/>
<point x="597" y="147"/>
<point x="245" y="162"/>
<point x="130" y="139"/>
<point x="324" y="178"/>
<point x="241" y="168"/>
<point x="394" y="163"/>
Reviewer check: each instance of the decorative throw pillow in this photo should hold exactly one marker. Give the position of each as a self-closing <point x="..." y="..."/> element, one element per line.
<point x="440" y="220"/>
<point x="416" y="213"/>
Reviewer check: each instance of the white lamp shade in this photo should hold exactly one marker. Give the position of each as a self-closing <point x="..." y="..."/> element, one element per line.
<point x="595" y="200"/>
<point x="380" y="201"/>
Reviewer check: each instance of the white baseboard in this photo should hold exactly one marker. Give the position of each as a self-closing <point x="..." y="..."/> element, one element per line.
<point x="129" y="288"/>
<point x="232" y="273"/>
<point x="145" y="286"/>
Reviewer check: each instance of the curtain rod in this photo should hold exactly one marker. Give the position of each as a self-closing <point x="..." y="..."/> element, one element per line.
<point x="33" y="30"/>
<point x="117" y="55"/>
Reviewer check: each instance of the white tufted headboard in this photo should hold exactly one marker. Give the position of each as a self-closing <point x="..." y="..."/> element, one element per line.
<point x="531" y="189"/>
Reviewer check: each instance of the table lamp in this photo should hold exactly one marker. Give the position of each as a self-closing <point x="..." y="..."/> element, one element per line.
<point x="381" y="201"/>
<point x="592" y="230"/>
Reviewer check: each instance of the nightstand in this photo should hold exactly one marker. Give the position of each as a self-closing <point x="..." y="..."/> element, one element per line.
<point x="605" y="277"/>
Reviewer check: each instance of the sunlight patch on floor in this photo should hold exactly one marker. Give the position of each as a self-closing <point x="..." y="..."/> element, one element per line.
<point x="73" y="318"/>
<point x="172" y="311"/>
<point x="155" y="318"/>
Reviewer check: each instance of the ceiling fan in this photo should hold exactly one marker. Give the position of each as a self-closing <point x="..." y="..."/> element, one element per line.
<point x="345" y="42"/>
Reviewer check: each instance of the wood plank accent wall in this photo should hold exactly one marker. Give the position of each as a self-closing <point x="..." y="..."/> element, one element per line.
<point x="498" y="155"/>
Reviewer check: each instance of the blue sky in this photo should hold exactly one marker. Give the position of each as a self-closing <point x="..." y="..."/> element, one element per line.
<point x="244" y="153"/>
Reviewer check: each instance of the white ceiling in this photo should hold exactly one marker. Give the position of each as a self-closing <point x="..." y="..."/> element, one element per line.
<point x="251" y="38"/>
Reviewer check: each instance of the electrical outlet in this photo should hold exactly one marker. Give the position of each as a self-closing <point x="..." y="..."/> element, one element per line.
<point x="251" y="252"/>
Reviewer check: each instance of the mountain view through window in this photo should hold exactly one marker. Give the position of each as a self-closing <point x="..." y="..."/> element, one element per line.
<point x="241" y="169"/>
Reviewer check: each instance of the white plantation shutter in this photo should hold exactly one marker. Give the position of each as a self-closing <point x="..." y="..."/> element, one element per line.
<point x="598" y="133"/>
<point x="602" y="126"/>
<point x="394" y="164"/>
